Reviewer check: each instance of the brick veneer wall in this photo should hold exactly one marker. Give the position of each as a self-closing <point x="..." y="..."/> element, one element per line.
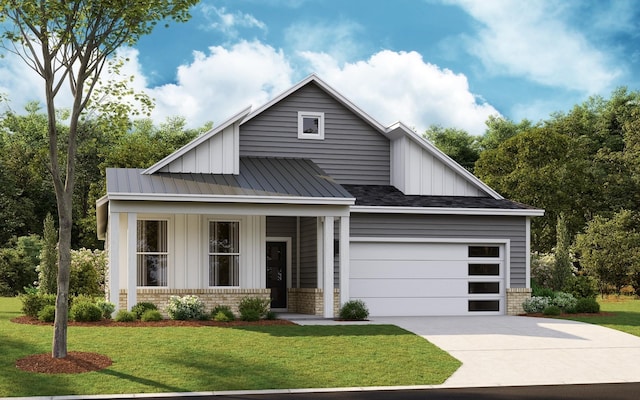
<point x="210" y="297"/>
<point x="515" y="298"/>
<point x="311" y="301"/>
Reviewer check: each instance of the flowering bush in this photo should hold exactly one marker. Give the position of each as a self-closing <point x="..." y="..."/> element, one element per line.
<point x="87" y="272"/>
<point x="536" y="304"/>
<point x="565" y="301"/>
<point x="183" y="308"/>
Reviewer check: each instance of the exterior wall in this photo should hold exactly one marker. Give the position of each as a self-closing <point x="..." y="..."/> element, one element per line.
<point x="210" y="297"/>
<point x="515" y="298"/>
<point x="417" y="171"/>
<point x="351" y="152"/>
<point x="285" y="227"/>
<point x="308" y="253"/>
<point x="311" y="301"/>
<point x="451" y="226"/>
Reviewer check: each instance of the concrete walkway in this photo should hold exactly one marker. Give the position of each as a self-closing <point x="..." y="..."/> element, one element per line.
<point x="513" y="351"/>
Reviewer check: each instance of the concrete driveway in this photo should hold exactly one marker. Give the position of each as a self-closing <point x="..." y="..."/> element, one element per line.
<point x="508" y="350"/>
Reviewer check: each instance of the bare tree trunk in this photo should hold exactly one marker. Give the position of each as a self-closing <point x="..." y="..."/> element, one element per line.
<point x="59" y="347"/>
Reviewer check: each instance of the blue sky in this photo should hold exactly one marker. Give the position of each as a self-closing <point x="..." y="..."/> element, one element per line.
<point x="423" y="62"/>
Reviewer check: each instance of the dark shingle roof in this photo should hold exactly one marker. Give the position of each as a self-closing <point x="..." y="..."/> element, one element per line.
<point x="389" y="196"/>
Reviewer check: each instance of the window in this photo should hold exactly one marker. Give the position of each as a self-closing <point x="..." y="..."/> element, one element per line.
<point x="152" y="253"/>
<point x="224" y="253"/>
<point x="484" y="287"/>
<point x="310" y="125"/>
<point x="484" y="305"/>
<point x="484" y="269"/>
<point x="484" y="251"/>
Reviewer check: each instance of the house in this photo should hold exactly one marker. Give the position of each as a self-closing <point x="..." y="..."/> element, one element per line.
<point x="310" y="202"/>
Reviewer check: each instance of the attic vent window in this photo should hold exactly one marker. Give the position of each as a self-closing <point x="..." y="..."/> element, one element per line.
<point x="310" y="125"/>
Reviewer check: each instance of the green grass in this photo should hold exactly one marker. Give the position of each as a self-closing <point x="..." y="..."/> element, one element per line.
<point x="186" y="359"/>
<point x="626" y="316"/>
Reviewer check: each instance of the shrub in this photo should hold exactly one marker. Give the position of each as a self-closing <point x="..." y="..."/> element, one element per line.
<point x="33" y="303"/>
<point x="87" y="272"/>
<point x="227" y="314"/>
<point x="587" y="305"/>
<point x="583" y="286"/>
<point x="125" y="316"/>
<point x="142" y="307"/>
<point x="552" y="310"/>
<point x="564" y="301"/>
<point x="107" y="308"/>
<point x="183" y="308"/>
<point x="250" y="307"/>
<point x="18" y="264"/>
<point x="271" y="316"/>
<point x="47" y="314"/>
<point x="354" y="310"/>
<point x="85" y="312"/>
<point x="151" y="315"/>
<point x="539" y="291"/>
<point x="536" y="304"/>
<point x="220" y="316"/>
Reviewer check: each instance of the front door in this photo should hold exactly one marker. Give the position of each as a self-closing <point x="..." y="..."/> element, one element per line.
<point x="277" y="273"/>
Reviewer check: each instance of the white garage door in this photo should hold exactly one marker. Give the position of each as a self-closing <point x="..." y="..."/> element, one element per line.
<point x="404" y="279"/>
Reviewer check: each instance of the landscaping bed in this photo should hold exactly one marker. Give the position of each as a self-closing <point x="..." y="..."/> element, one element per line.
<point x="162" y="323"/>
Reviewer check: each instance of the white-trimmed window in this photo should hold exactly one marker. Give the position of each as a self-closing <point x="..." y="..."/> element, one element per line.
<point x="152" y="252"/>
<point x="224" y="253"/>
<point x="310" y="125"/>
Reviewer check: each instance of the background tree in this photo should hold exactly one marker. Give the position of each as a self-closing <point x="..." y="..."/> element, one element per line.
<point x="562" y="272"/>
<point x="455" y="143"/>
<point x="609" y="249"/>
<point x="48" y="268"/>
<point x="69" y="42"/>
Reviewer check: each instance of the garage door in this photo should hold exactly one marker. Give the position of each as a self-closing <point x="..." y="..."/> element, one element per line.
<point x="404" y="279"/>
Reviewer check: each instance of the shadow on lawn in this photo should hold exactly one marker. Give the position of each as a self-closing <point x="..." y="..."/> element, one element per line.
<point x="142" y="381"/>
<point x="629" y="318"/>
<point x="327" y="330"/>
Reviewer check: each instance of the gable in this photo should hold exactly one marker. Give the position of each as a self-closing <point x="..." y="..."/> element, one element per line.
<point x="351" y="152"/>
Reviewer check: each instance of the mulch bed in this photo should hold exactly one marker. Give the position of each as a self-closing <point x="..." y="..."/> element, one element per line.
<point x="80" y="362"/>
<point x="541" y="315"/>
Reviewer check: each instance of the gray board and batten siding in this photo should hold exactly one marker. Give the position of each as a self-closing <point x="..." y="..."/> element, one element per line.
<point x="450" y="226"/>
<point x="352" y="151"/>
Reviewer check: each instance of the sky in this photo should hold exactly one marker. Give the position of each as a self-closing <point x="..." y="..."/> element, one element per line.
<point x="451" y="63"/>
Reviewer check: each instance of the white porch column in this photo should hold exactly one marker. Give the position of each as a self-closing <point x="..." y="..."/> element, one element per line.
<point x="132" y="264"/>
<point x="328" y="267"/>
<point x="320" y="252"/>
<point x="114" y="258"/>
<point x="344" y="260"/>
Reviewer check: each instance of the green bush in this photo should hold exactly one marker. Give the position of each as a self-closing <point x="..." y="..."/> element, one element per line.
<point x="271" y="315"/>
<point x="107" y="308"/>
<point x="141" y="307"/>
<point x="583" y="286"/>
<point x="85" y="312"/>
<point x="33" y="303"/>
<point x="540" y="291"/>
<point x="151" y="315"/>
<point x="587" y="305"/>
<point x="565" y="301"/>
<point x="125" y="316"/>
<point x="184" y="308"/>
<point x="552" y="310"/>
<point x="536" y="304"/>
<point x="47" y="314"/>
<point x="249" y="307"/>
<point x="18" y="264"/>
<point x="354" y="310"/>
<point x="227" y="314"/>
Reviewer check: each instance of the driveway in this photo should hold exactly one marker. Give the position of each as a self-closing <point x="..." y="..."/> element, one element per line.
<point x="509" y="350"/>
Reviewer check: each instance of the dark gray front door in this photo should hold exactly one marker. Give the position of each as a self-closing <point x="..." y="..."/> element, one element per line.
<point x="277" y="273"/>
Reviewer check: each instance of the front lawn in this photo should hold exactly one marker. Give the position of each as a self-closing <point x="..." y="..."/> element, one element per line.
<point x="192" y="359"/>
<point x="626" y="315"/>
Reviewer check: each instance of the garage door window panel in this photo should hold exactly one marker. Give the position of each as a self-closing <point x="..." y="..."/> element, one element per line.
<point x="484" y="251"/>
<point x="484" y="269"/>
<point x="484" y="287"/>
<point x="484" y="305"/>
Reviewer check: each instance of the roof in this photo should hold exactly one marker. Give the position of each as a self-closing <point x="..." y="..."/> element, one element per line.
<point x="386" y="197"/>
<point x="274" y="180"/>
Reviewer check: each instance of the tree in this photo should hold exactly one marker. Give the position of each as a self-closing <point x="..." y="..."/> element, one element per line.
<point x="609" y="249"/>
<point x="455" y="143"/>
<point x="70" y="41"/>
<point x="500" y="130"/>
<point x="48" y="268"/>
<point x="562" y="265"/>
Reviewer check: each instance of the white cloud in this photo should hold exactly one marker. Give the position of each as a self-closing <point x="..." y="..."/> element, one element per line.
<point x="531" y="39"/>
<point x="338" y="39"/>
<point x="227" y="22"/>
<point x="392" y="86"/>
<point x="216" y="85"/>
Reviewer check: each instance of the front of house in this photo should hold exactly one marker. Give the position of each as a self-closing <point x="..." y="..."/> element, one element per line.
<point x="307" y="193"/>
